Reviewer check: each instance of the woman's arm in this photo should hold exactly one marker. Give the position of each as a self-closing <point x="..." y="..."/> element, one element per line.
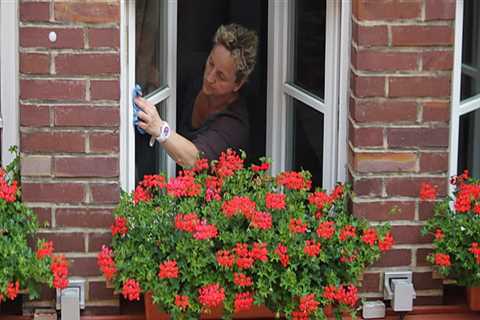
<point x="182" y="150"/>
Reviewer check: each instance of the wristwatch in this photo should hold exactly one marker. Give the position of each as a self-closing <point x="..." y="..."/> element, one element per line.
<point x="165" y="133"/>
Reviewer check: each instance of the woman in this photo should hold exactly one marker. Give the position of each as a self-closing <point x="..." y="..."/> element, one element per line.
<point x="217" y="117"/>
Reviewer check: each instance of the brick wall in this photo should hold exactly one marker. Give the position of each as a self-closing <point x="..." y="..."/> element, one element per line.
<point x="69" y="123"/>
<point x="402" y="57"/>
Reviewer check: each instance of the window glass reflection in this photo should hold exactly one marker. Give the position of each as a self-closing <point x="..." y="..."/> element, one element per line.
<point x="151" y="44"/>
<point x="309" y="45"/>
<point x="306" y="144"/>
<point x="470" y="82"/>
<point x="469" y="146"/>
<point x="149" y="160"/>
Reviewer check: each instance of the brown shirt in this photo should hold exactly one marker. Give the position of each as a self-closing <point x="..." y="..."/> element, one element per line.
<point x="221" y="130"/>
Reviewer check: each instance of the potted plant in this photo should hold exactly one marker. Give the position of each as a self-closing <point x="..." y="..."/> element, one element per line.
<point x="220" y="240"/>
<point x="455" y="226"/>
<point x="22" y="268"/>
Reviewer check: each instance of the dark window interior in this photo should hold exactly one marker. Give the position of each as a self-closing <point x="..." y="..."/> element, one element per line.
<point x="197" y="23"/>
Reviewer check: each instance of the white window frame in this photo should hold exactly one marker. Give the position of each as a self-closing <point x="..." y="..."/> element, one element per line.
<point x="334" y="106"/>
<point x="9" y="77"/>
<point x="459" y="107"/>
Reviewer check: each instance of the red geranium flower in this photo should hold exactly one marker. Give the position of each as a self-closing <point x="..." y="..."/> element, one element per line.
<point x="168" y="270"/>
<point x="131" y="290"/>
<point x="120" y="226"/>
<point x="428" y="192"/>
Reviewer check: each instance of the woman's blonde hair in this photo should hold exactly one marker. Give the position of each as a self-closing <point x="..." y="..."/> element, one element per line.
<point x="242" y="44"/>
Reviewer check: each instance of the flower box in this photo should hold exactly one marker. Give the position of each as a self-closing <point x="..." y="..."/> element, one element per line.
<point x="227" y="238"/>
<point x="473" y="298"/>
<point x="152" y="312"/>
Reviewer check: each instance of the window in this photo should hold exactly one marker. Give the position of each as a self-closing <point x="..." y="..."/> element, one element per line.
<point x="293" y="95"/>
<point x="465" y="153"/>
<point x="8" y="78"/>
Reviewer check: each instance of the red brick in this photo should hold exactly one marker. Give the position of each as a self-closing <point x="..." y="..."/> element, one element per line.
<point x="372" y="60"/>
<point x="369" y="35"/>
<point x="52" y="89"/>
<point x="385" y="210"/>
<point x="410" y="186"/>
<point x="104" y="142"/>
<point x="413" y="35"/>
<point x="34" y="116"/>
<point x="65" y="242"/>
<point x="424" y="281"/>
<point x="386" y="9"/>
<point x="105" y="193"/>
<point x="410" y="235"/>
<point x="419" y="86"/>
<point x="105" y="90"/>
<point x="104" y="38"/>
<point x="86" y="167"/>
<point x="366" y="137"/>
<point x="34" y="63"/>
<point x="394" y="258"/>
<point x="84" y="267"/>
<point x="34" y="11"/>
<point x="440" y="10"/>
<point x="44" y="216"/>
<point x="422" y="257"/>
<point x="53" y="192"/>
<point x="98" y="291"/>
<point x="437" y="60"/>
<point x="97" y="240"/>
<point x="367" y="187"/>
<point x="83" y="217"/>
<point x="368" y="86"/>
<point x="383" y="110"/>
<point x="51" y="142"/>
<point x="86" y="116"/>
<point x="385" y="162"/>
<point x="436" y="111"/>
<point x="425" y="210"/>
<point x="433" y="162"/>
<point x="370" y="282"/>
<point x="417" y="137"/>
<point x="67" y="38"/>
<point x="87" y="64"/>
<point x="87" y="12"/>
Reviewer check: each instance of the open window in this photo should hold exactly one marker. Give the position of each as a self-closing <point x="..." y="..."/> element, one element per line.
<point x="292" y="95"/>
<point x="465" y="151"/>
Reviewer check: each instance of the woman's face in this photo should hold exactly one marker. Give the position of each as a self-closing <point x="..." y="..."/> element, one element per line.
<point x="219" y="76"/>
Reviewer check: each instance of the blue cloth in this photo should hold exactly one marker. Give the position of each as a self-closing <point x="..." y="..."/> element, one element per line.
<point x="137" y="92"/>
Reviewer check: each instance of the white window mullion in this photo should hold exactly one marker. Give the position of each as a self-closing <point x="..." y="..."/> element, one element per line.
<point x="468" y="106"/>
<point x="9" y="77"/>
<point x="171" y="103"/>
<point x="344" y="91"/>
<point x="276" y="77"/>
<point x="456" y="90"/>
<point x="308" y="99"/>
<point x="159" y="95"/>
<point x="332" y="63"/>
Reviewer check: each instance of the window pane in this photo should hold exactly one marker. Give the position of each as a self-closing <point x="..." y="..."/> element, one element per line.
<point x="151" y="44"/>
<point x="149" y="160"/>
<point x="309" y="45"/>
<point x="468" y="146"/>
<point x="470" y="85"/>
<point x="306" y="144"/>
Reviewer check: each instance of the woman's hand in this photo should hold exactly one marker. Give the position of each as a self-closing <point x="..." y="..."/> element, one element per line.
<point x="150" y="120"/>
